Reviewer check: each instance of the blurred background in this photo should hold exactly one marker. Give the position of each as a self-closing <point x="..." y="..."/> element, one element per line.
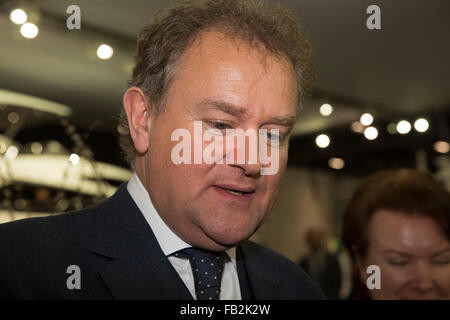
<point x="381" y="100"/>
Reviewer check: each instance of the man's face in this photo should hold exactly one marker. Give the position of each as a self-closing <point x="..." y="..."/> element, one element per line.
<point x="413" y="256"/>
<point x="226" y="85"/>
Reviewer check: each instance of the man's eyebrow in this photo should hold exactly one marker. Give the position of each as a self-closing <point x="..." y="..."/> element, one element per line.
<point x="287" y="121"/>
<point x="223" y="106"/>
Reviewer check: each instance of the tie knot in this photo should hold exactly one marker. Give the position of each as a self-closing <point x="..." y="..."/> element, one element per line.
<point x="195" y="254"/>
<point x="207" y="268"/>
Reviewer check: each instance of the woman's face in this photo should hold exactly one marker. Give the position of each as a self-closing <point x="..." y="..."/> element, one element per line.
<point x="413" y="256"/>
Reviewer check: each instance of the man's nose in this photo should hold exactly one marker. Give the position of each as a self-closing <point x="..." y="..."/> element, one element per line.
<point x="250" y="170"/>
<point x="251" y="166"/>
<point x="246" y="157"/>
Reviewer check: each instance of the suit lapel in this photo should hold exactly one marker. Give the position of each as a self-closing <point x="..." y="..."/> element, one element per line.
<point x="136" y="267"/>
<point x="246" y="291"/>
<point x="258" y="280"/>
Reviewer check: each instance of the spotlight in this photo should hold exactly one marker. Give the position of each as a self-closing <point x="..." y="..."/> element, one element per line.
<point x="29" y="30"/>
<point x="403" y="127"/>
<point x="105" y="52"/>
<point x="322" y="141"/>
<point x="421" y="125"/>
<point x="366" y="119"/>
<point x="18" y="16"/>
<point x="326" y="110"/>
<point x="371" y="133"/>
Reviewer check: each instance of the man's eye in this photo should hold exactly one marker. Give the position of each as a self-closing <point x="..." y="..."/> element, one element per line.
<point x="273" y="137"/>
<point x="219" y="125"/>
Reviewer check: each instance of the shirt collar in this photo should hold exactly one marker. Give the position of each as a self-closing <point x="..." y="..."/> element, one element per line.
<point x="167" y="239"/>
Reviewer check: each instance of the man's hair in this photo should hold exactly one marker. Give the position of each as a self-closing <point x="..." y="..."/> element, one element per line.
<point x="161" y="45"/>
<point x="410" y="192"/>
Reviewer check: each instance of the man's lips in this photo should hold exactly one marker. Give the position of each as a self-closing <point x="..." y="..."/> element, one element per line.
<point x="237" y="192"/>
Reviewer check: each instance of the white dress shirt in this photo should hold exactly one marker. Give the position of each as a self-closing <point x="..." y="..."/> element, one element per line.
<point x="171" y="243"/>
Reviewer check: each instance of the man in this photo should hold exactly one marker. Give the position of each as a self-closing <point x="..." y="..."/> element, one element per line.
<point x="321" y="264"/>
<point x="179" y="231"/>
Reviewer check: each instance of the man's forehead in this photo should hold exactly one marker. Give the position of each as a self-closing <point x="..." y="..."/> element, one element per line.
<point x="217" y="62"/>
<point x="220" y="43"/>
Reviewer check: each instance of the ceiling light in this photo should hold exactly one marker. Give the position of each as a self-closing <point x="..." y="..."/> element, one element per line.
<point x="322" y="141"/>
<point x="366" y="119"/>
<point x="74" y="158"/>
<point x="18" y="16"/>
<point x="391" y="128"/>
<point x="12" y="152"/>
<point x="105" y="52"/>
<point x="357" y="127"/>
<point x="326" y="110"/>
<point x="441" y="146"/>
<point x="421" y="125"/>
<point x="29" y="30"/>
<point x="371" y="133"/>
<point x="403" y="127"/>
<point x="336" y="163"/>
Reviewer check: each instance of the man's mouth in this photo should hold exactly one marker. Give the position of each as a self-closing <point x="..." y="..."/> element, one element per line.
<point x="242" y="192"/>
<point x="238" y="193"/>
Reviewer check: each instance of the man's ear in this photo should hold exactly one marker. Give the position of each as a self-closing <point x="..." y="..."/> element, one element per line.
<point x="136" y="107"/>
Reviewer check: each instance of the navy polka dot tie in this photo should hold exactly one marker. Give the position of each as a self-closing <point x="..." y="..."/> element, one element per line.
<point x="207" y="267"/>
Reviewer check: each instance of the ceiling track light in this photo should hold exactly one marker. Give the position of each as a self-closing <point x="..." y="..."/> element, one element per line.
<point x="421" y="125"/>
<point x="29" y="30"/>
<point x="322" y="141"/>
<point x="326" y="110"/>
<point x="366" y="119"/>
<point x="18" y="16"/>
<point x="105" y="51"/>
<point x="403" y="127"/>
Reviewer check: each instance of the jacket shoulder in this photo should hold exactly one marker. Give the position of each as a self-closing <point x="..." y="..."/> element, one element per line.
<point x="49" y="229"/>
<point x="36" y="251"/>
<point x="61" y="226"/>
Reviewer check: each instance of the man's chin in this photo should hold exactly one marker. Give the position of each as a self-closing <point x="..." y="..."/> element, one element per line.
<point x="227" y="239"/>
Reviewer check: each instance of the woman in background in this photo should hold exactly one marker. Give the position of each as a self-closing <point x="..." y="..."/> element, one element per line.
<point x="400" y="222"/>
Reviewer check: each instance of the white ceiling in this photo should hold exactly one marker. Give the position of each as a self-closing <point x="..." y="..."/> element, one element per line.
<point x="402" y="69"/>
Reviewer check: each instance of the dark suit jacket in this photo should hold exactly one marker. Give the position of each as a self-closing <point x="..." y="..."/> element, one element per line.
<point x="119" y="258"/>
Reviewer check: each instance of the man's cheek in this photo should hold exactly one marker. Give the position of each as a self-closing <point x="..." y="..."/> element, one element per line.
<point x="281" y="163"/>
